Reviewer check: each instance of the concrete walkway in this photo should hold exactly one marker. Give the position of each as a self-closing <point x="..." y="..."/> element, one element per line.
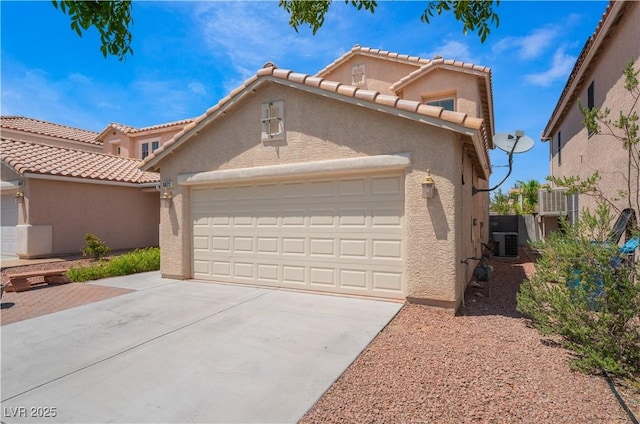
<point x="184" y="351"/>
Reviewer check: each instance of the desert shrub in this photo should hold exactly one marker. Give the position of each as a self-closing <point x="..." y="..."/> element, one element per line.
<point x="94" y="247"/>
<point x="140" y="260"/>
<point x="581" y="292"/>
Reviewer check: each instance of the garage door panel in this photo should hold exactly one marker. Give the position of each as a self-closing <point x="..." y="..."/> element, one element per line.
<point x="343" y="235"/>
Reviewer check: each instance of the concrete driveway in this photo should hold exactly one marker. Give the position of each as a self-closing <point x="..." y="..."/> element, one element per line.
<point x="184" y="352"/>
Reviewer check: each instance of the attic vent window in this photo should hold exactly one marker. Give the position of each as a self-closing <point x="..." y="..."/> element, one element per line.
<point x="358" y="74"/>
<point x="273" y="120"/>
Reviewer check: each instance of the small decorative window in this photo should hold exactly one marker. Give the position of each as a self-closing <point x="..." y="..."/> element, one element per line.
<point x="272" y="120"/>
<point x="154" y="146"/>
<point x="358" y="74"/>
<point x="446" y="104"/>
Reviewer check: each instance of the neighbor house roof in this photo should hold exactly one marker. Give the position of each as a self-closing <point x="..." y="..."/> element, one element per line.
<point x="44" y="128"/>
<point x="586" y="60"/>
<point x="129" y="130"/>
<point x="34" y="159"/>
<point x="437" y="116"/>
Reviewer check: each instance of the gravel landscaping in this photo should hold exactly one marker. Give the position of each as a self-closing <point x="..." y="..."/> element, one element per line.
<point x="485" y="365"/>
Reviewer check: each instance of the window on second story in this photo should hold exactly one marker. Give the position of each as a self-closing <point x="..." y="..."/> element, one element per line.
<point x="446" y="104"/>
<point x="559" y="140"/>
<point x="358" y="74"/>
<point x="272" y="121"/>
<point x="148" y="147"/>
<point x="144" y="150"/>
<point x="591" y="99"/>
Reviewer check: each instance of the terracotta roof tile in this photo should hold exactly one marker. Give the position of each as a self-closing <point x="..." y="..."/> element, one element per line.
<point x="367" y="51"/>
<point x="36" y="126"/>
<point x="26" y="157"/>
<point x="375" y="97"/>
<point x="127" y="129"/>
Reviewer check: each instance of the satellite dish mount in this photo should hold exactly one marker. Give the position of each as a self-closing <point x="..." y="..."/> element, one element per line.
<point x="510" y="143"/>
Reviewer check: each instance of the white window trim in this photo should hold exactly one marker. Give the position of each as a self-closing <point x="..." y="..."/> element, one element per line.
<point x="272" y="124"/>
<point x="440" y="99"/>
<point x="149" y="144"/>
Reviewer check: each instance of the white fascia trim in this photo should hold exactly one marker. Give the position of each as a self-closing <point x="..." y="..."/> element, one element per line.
<point x="87" y="180"/>
<point x="323" y="167"/>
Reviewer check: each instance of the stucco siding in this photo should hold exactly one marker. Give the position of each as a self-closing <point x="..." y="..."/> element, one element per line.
<point x="581" y="154"/>
<point x="445" y="83"/>
<point x="318" y="128"/>
<point x="379" y="74"/>
<point x="122" y="217"/>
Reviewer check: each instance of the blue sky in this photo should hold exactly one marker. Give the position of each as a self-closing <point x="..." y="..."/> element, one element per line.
<point x="188" y="55"/>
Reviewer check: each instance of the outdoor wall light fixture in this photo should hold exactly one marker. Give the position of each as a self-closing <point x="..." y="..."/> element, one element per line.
<point x="428" y="186"/>
<point x="19" y="196"/>
<point x="165" y="198"/>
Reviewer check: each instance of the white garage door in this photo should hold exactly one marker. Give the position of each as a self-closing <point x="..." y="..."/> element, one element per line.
<point x="341" y="235"/>
<point x="9" y="218"/>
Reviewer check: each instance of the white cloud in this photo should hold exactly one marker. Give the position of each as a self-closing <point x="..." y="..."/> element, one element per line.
<point x="561" y="65"/>
<point x="531" y="46"/>
<point x="453" y="50"/>
<point x="197" y="87"/>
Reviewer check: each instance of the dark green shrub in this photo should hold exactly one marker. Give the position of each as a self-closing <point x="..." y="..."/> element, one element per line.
<point x="140" y="260"/>
<point x="94" y="247"/>
<point x="580" y="294"/>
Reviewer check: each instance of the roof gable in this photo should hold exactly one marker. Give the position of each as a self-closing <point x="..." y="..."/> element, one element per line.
<point x="33" y="158"/>
<point x="459" y="122"/>
<point x="133" y="131"/>
<point x="376" y="53"/>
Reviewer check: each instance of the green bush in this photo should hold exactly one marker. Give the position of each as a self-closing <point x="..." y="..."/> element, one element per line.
<point x="94" y="247"/>
<point x="140" y="260"/>
<point x="578" y="293"/>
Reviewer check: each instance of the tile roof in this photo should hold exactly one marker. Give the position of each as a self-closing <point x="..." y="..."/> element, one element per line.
<point x="36" y="126"/>
<point x="25" y="157"/>
<point x="127" y="129"/>
<point x="367" y="51"/>
<point x="271" y="73"/>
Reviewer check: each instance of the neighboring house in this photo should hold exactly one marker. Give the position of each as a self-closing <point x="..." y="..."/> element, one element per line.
<point x="316" y="182"/>
<point x="37" y="131"/>
<point x="67" y="192"/>
<point x="595" y="81"/>
<point x="137" y="143"/>
<point x="55" y="195"/>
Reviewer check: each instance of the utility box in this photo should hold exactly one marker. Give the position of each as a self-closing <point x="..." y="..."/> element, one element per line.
<point x="506" y="244"/>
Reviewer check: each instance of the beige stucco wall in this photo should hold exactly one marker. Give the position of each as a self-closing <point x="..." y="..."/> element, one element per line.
<point x="122" y="217"/>
<point x="583" y="155"/>
<point x="438" y="230"/>
<point x="379" y="74"/>
<point x="52" y="141"/>
<point x="441" y="83"/>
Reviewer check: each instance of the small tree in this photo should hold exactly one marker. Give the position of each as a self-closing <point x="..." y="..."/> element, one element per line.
<point x="584" y="291"/>
<point x="94" y="247"/>
<point x="529" y="190"/>
<point x="500" y="203"/>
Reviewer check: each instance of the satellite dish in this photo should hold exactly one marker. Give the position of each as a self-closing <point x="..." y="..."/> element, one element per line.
<point x="507" y="142"/>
